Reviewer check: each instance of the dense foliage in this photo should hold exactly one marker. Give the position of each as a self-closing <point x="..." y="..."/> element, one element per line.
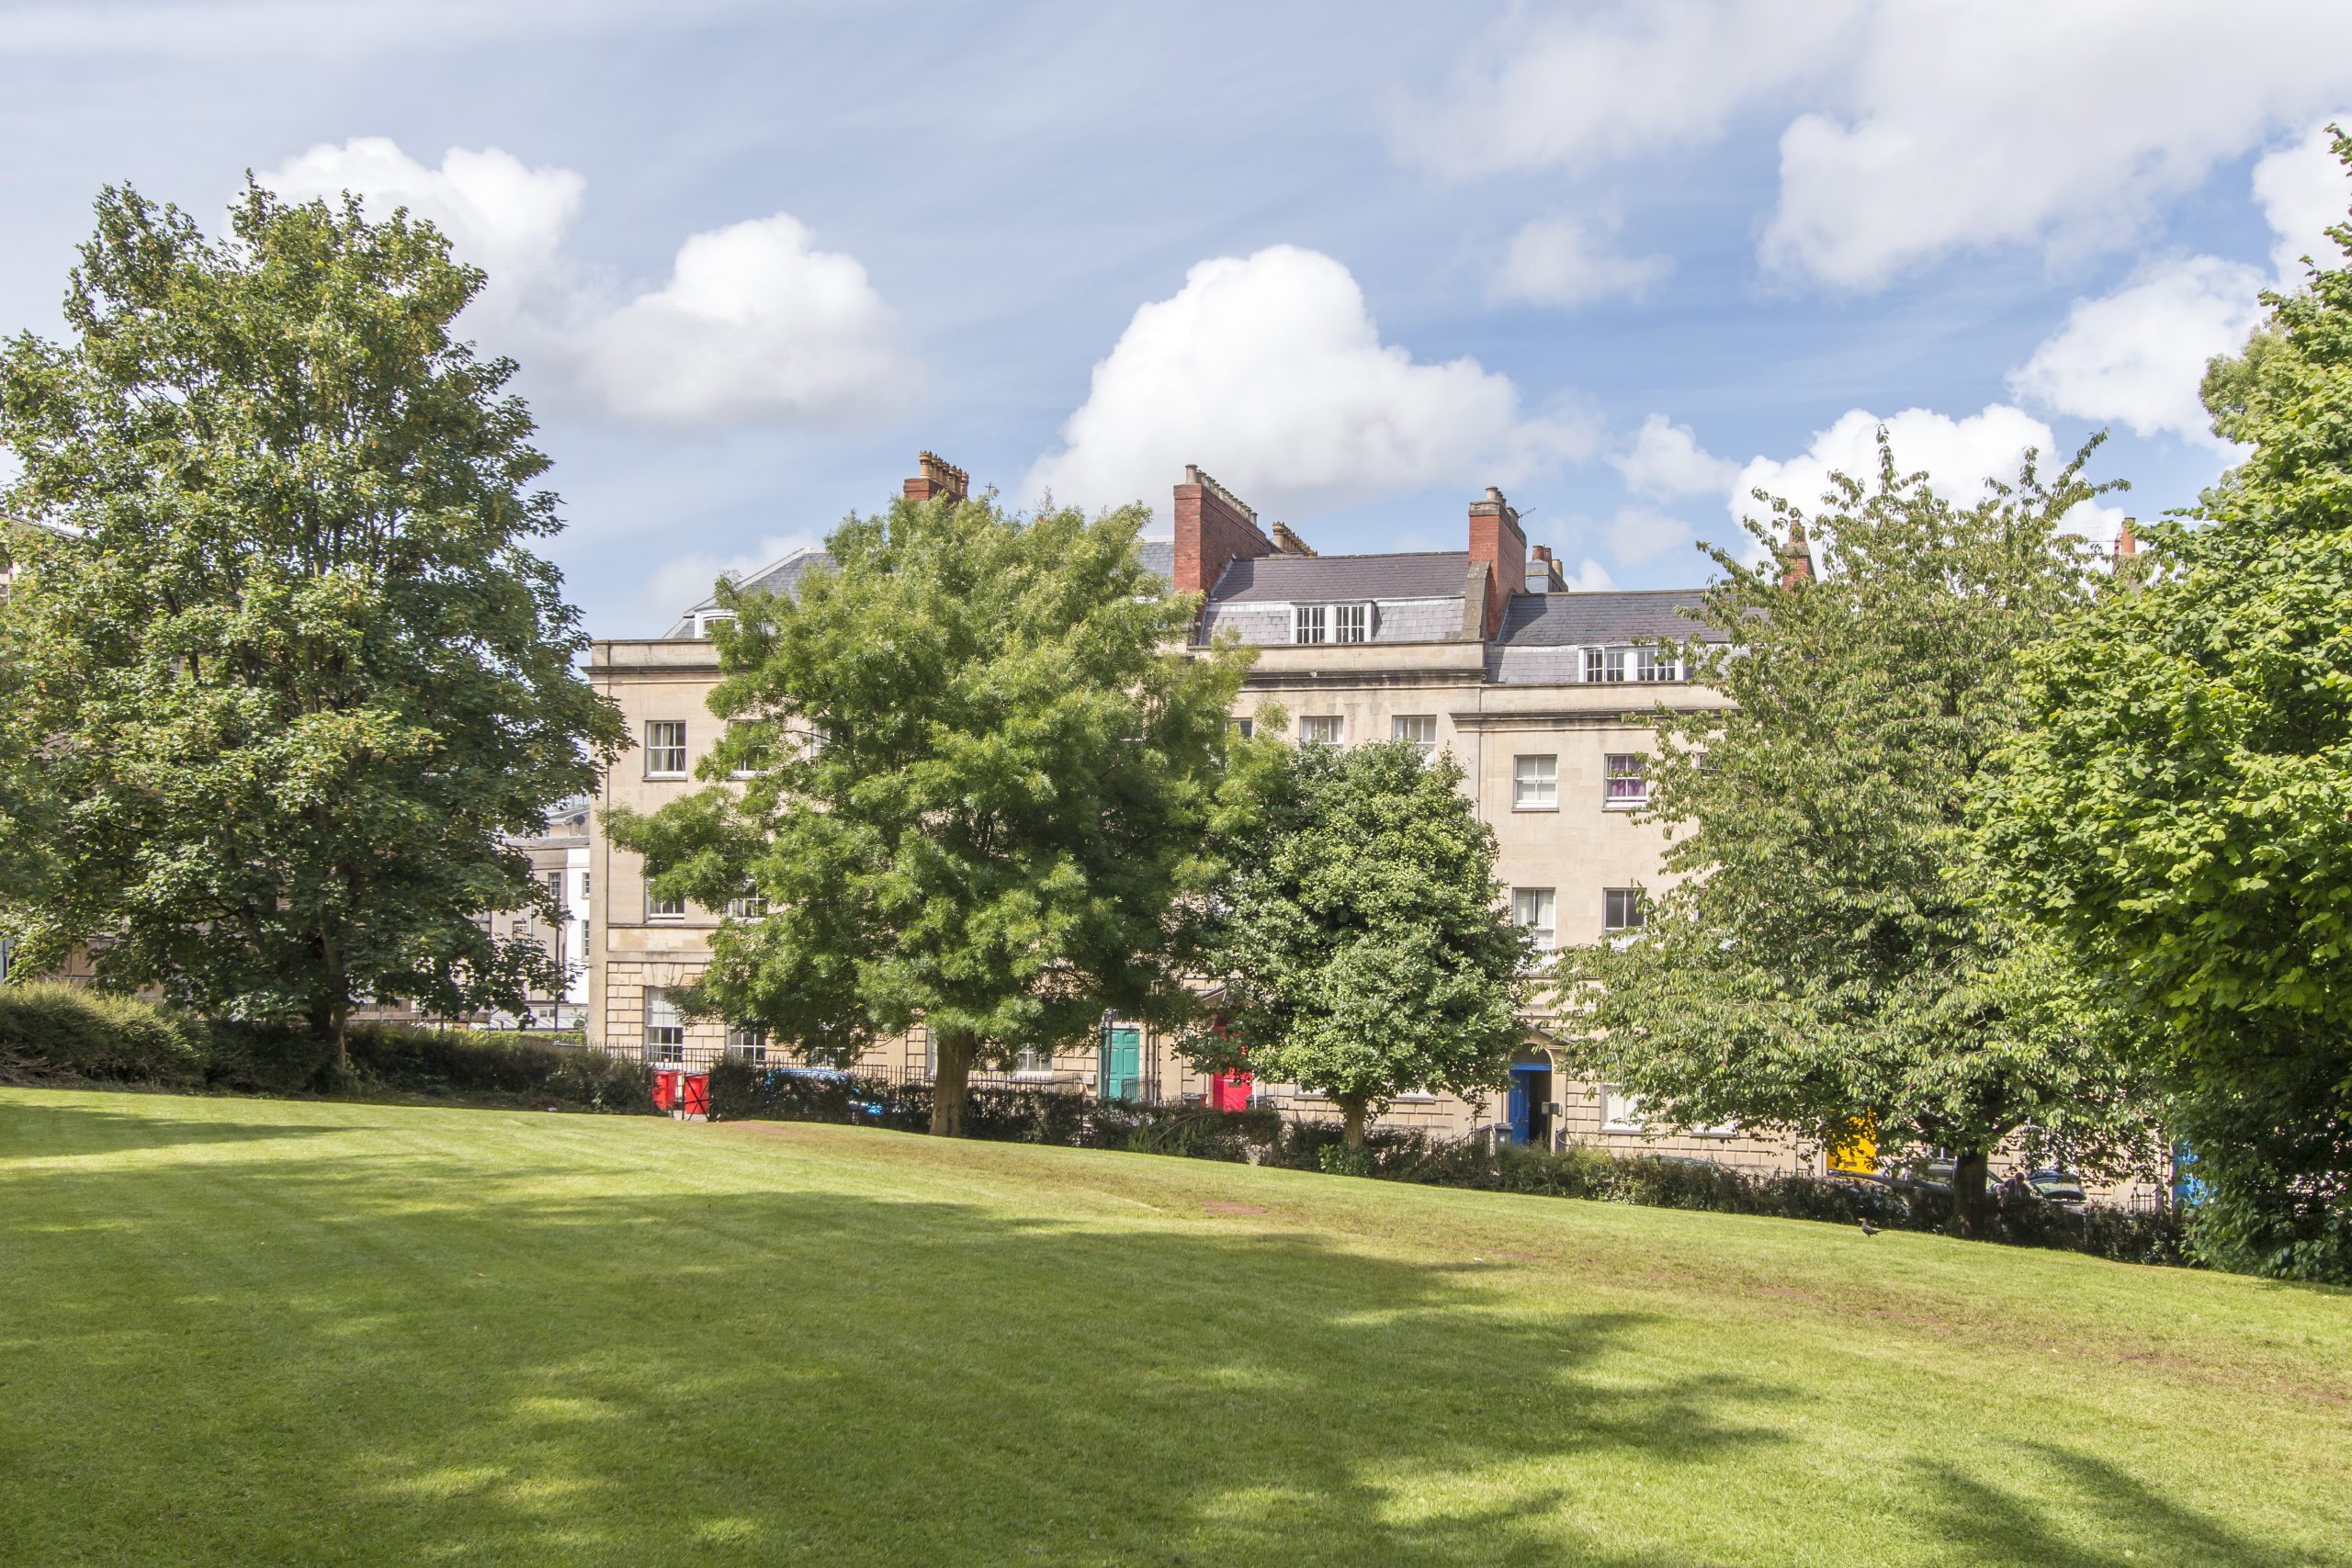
<point x="972" y="774"/>
<point x="282" y="669"/>
<point x="66" y="1031"/>
<point x="2181" y="812"/>
<point x="1825" y="960"/>
<point x="1359" y="932"/>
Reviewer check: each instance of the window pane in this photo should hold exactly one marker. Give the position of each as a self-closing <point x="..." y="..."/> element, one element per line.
<point x="1627" y="784"/>
<point x="665" y="1027"/>
<point x="749" y="907"/>
<point x="1621" y="909"/>
<point x="1308" y="623"/>
<point x="665" y="746"/>
<point x="1655" y="664"/>
<point x="1420" y="729"/>
<point x="1351" y="622"/>
<point x="664" y="909"/>
<point x="1594" y="666"/>
<point x="748" y="1040"/>
<point x="1535" y="781"/>
<point x="1322" y="729"/>
<point x="1537" y="908"/>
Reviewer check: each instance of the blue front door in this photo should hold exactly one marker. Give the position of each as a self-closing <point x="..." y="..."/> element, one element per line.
<point x="1522" y="1105"/>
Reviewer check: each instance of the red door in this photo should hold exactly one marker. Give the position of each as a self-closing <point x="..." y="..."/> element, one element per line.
<point x="1229" y="1091"/>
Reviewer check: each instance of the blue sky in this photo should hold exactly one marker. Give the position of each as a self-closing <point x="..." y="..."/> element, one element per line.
<point x="1357" y="260"/>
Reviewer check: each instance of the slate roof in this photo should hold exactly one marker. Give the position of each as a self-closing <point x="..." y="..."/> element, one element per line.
<point x="776" y="577"/>
<point x="1159" y="557"/>
<point x="1568" y="620"/>
<point x="1279" y="579"/>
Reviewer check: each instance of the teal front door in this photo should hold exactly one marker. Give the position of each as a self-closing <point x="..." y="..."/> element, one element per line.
<point x="1122" y="1075"/>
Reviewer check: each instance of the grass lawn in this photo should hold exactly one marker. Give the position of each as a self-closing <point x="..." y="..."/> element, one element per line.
<point x="257" y="1331"/>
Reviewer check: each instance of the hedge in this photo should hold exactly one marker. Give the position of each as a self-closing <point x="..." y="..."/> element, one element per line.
<point x="51" y="1031"/>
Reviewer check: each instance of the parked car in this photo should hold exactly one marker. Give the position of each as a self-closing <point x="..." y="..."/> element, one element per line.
<point x="2061" y="1187"/>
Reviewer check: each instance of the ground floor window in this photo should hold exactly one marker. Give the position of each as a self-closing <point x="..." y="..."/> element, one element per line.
<point x="1033" y="1061"/>
<point x="665" y="1027"/>
<point x="747" y="1041"/>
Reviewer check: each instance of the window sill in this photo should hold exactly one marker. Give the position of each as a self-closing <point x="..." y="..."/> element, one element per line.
<point x="1516" y="807"/>
<point x="1622" y="805"/>
<point x="665" y="778"/>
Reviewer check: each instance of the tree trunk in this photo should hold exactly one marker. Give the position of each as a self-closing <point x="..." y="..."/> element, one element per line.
<point x="1970" y="1170"/>
<point x="1352" y="1120"/>
<point x="951" y="1081"/>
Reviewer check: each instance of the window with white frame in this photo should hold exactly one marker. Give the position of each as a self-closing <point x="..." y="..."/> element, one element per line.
<point x="1621" y="909"/>
<point x="666" y="749"/>
<point x="1309" y="623"/>
<point x="747" y="1041"/>
<point x="1626" y="781"/>
<point x="710" y="618"/>
<point x="665" y="1027"/>
<point x="1420" y="729"/>
<point x="1351" y="622"/>
<point x="1033" y="1062"/>
<point x="1604" y="663"/>
<point x="1620" y="1111"/>
<point x="1536" y="783"/>
<point x="1538" y="910"/>
<point x="663" y="909"/>
<point x="1323" y="729"/>
<point x="1244" y="727"/>
<point x="1656" y="664"/>
<point x="749" y="906"/>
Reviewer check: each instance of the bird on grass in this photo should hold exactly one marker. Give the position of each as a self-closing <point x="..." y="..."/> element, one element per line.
<point x="1868" y="1228"/>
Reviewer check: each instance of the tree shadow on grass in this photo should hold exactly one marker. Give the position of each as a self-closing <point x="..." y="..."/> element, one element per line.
<point x="827" y="1377"/>
<point x="38" y="1130"/>
<point x="2133" y="1524"/>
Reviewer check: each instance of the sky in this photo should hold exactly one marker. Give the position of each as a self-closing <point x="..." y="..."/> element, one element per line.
<point x="1628" y="262"/>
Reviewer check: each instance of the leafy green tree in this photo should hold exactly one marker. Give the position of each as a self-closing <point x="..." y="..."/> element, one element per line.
<point x="2181" y="811"/>
<point x="1362" y="938"/>
<point x="972" y="774"/>
<point x="289" y="670"/>
<point x="1826" y="961"/>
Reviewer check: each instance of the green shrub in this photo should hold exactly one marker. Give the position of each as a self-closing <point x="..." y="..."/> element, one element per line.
<point x="66" y="1031"/>
<point x="284" y="1058"/>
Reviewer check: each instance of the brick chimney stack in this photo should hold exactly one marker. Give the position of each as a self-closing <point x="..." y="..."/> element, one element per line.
<point x="2126" y="542"/>
<point x="1289" y="544"/>
<point x="1495" y="541"/>
<point x="1796" y="562"/>
<point x="1544" y="573"/>
<point x="1213" y="529"/>
<point x="938" y="480"/>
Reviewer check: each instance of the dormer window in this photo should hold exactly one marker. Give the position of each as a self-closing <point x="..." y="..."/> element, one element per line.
<point x="1330" y="623"/>
<point x="710" y="618"/>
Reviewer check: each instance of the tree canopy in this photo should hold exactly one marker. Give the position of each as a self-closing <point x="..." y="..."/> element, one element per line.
<point x="1360" y="933"/>
<point x="972" y="774"/>
<point x="1824" y="959"/>
<point x="288" y="669"/>
<point x="2180" y="812"/>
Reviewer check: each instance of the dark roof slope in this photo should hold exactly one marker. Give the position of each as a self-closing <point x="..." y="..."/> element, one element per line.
<point x="1432" y="574"/>
<point x="1567" y="620"/>
<point x="1159" y="557"/>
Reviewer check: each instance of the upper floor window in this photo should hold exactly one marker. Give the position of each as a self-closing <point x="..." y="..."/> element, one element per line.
<point x="751" y="907"/>
<point x="1538" y="910"/>
<point x="1536" y="783"/>
<point x="1309" y="623"/>
<point x="1244" y="727"/>
<point x="1604" y="663"/>
<point x="666" y="749"/>
<point x="664" y="909"/>
<point x="1621" y="909"/>
<point x="1323" y="730"/>
<point x="710" y="618"/>
<point x="1330" y="623"/>
<point x="1420" y="729"/>
<point x="1627" y="784"/>
<point x="1351" y="622"/>
<point x="1656" y="664"/>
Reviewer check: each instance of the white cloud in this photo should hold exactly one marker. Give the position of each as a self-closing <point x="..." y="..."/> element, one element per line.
<point x="755" y="324"/>
<point x="1639" y="534"/>
<point x="1544" y="89"/>
<point x="1269" y="371"/>
<point x="1589" y="577"/>
<point x="2136" y="356"/>
<point x="688" y="579"/>
<point x="1910" y="131"/>
<point x="1957" y="454"/>
<point x="2014" y="121"/>
<point x="2304" y="193"/>
<point x="1567" y="261"/>
<point x="1666" y="459"/>
<point x="501" y="215"/>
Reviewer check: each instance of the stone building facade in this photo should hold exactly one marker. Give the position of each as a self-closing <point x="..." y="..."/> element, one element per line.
<point x="1540" y="690"/>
